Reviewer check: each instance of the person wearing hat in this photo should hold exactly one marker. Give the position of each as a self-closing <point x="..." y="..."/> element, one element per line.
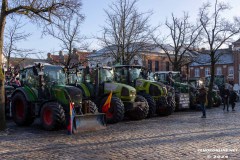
<point x="170" y="79"/>
<point x="202" y="100"/>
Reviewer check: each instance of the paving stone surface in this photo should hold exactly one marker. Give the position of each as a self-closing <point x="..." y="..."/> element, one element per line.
<point x="183" y="135"/>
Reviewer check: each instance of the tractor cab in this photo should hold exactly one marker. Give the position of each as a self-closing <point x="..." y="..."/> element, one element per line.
<point x="155" y="92"/>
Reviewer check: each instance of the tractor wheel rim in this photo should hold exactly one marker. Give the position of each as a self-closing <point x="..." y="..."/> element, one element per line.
<point x="20" y="109"/>
<point x="47" y="116"/>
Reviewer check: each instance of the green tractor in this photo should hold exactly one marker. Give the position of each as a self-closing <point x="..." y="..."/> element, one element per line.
<point x="219" y="84"/>
<point x="181" y="89"/>
<point x="96" y="84"/>
<point x="44" y="94"/>
<point x="156" y="93"/>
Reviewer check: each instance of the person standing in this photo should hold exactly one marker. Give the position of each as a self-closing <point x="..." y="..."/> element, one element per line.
<point x="225" y="96"/>
<point x="170" y="80"/>
<point x="202" y="100"/>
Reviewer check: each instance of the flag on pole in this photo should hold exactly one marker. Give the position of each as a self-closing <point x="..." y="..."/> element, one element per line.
<point x="71" y="116"/>
<point x="106" y="105"/>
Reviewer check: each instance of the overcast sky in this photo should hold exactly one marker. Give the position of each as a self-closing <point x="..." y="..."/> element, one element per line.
<point x="95" y="18"/>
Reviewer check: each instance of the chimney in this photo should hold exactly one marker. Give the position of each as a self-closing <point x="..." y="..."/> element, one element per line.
<point x="230" y="47"/>
<point x="61" y="53"/>
<point x="49" y="56"/>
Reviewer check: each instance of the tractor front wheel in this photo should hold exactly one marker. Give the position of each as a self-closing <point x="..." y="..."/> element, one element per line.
<point x="116" y="111"/>
<point x="21" y="110"/>
<point x="139" y="112"/>
<point x="151" y="104"/>
<point x="52" y="116"/>
<point x="93" y="107"/>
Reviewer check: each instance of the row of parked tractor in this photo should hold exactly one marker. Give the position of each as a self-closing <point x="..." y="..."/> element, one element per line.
<point x="50" y="92"/>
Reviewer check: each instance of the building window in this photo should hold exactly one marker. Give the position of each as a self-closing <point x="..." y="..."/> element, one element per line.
<point x="197" y="72"/>
<point x="136" y="62"/>
<point x="219" y="70"/>
<point x="207" y="72"/>
<point x="167" y="66"/>
<point x="150" y="65"/>
<point x="156" y="66"/>
<point x="230" y="70"/>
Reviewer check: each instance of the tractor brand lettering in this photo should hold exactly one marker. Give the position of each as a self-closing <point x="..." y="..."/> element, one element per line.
<point x="139" y="83"/>
<point x="110" y="87"/>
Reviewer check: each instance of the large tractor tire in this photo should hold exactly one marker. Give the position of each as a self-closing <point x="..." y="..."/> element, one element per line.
<point x="138" y="113"/>
<point x="21" y="110"/>
<point x="116" y="111"/>
<point x="52" y="116"/>
<point x="164" y="109"/>
<point x="93" y="107"/>
<point x="151" y="104"/>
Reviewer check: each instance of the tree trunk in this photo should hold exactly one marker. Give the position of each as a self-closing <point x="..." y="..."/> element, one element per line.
<point x="210" y="102"/>
<point x="2" y="78"/>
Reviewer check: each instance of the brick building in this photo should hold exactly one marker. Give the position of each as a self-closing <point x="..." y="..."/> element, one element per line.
<point x="78" y="57"/>
<point x="228" y="64"/>
<point x="154" y="59"/>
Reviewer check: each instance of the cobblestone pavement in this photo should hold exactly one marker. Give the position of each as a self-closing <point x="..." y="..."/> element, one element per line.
<point x="183" y="135"/>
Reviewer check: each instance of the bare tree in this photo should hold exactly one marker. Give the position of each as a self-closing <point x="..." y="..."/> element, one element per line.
<point x="217" y="31"/>
<point x="181" y="39"/>
<point x="13" y="36"/>
<point x="68" y="33"/>
<point x="39" y="11"/>
<point x="127" y="31"/>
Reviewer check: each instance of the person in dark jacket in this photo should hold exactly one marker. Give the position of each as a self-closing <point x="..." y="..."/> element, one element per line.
<point x="170" y="80"/>
<point x="225" y="97"/>
<point x="232" y="99"/>
<point x="202" y="100"/>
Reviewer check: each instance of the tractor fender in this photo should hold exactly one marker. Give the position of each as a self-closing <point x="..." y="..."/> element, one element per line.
<point x="28" y="97"/>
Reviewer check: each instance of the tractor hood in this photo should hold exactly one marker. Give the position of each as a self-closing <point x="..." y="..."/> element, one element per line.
<point x="152" y="87"/>
<point x="125" y="92"/>
<point x="65" y="94"/>
<point x="117" y="87"/>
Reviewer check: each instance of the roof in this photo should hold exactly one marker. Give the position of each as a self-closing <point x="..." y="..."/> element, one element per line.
<point x="147" y="48"/>
<point x="203" y="59"/>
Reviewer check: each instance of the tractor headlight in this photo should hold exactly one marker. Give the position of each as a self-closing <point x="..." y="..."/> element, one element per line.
<point x="125" y="92"/>
<point x="132" y="93"/>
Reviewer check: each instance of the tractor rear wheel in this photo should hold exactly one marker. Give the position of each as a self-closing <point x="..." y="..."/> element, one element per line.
<point x="164" y="109"/>
<point x="116" y="111"/>
<point x="52" y="116"/>
<point x="140" y="112"/>
<point x="151" y="104"/>
<point x="21" y="110"/>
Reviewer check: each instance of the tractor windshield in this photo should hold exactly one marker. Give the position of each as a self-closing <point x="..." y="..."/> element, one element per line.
<point x="134" y="73"/>
<point x="127" y="74"/>
<point x="54" y="74"/>
<point x="75" y="77"/>
<point x="105" y="75"/>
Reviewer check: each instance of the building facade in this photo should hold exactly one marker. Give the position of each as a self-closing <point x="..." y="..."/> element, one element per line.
<point x="228" y="64"/>
<point x="154" y="59"/>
